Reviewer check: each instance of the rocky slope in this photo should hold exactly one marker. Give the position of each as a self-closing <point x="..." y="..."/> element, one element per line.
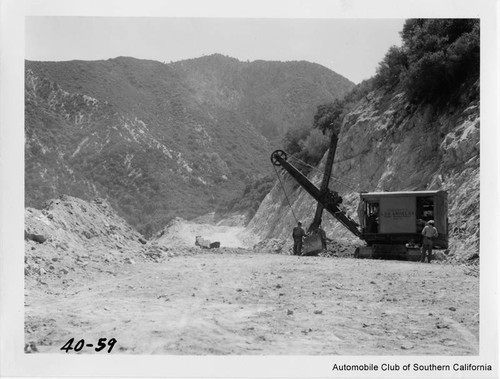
<point x="386" y="144"/>
<point x="161" y="140"/>
<point x="70" y="236"/>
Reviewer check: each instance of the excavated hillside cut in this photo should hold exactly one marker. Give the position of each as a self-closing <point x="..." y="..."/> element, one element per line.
<point x="386" y="144"/>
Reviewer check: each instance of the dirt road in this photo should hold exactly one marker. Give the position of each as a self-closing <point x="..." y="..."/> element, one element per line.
<point x="248" y="303"/>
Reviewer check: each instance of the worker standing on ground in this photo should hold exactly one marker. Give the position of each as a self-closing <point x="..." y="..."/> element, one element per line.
<point x="298" y="234"/>
<point x="429" y="233"/>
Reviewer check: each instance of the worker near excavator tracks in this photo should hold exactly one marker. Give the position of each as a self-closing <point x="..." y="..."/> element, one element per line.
<point x="298" y="234"/>
<point x="429" y="233"/>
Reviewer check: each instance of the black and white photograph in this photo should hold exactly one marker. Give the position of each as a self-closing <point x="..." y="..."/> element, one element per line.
<point x="202" y="185"/>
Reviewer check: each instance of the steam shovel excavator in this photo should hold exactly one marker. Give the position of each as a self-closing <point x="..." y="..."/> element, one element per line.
<point x="390" y="223"/>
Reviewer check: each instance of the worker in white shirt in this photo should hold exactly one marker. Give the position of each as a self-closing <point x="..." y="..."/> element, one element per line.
<point x="429" y="233"/>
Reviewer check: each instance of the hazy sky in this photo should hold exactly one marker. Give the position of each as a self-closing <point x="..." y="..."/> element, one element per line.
<point x="350" y="47"/>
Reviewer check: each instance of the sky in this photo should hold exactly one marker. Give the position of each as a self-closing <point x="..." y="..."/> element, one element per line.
<point x="350" y="47"/>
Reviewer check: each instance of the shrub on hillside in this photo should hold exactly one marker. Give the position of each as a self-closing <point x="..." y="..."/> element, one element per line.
<point x="392" y="68"/>
<point x="315" y="146"/>
<point x="437" y="57"/>
<point x="329" y="116"/>
<point x="358" y="92"/>
<point x="293" y="139"/>
<point x="309" y="145"/>
<point x="306" y="145"/>
<point x="442" y="55"/>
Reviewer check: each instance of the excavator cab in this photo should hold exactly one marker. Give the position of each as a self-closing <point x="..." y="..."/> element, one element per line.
<point x="399" y="217"/>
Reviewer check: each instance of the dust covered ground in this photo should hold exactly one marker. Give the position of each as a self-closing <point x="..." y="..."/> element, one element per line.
<point x="237" y="301"/>
<point x="89" y="275"/>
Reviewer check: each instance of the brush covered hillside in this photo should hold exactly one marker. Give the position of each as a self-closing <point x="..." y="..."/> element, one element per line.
<point x="273" y="97"/>
<point x="414" y="126"/>
<point x="158" y="140"/>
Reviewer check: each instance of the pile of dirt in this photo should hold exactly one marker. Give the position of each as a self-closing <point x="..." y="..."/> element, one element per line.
<point x="70" y="235"/>
<point x="334" y="248"/>
<point x="159" y="251"/>
<point x="273" y="246"/>
<point x="339" y="248"/>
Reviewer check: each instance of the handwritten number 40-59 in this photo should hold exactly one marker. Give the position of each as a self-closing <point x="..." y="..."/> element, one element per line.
<point x="101" y="344"/>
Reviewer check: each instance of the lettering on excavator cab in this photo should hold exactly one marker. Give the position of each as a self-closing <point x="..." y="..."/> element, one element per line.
<point x="397" y="215"/>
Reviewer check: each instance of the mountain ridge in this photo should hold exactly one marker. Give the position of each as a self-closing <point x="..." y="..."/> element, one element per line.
<point x="161" y="140"/>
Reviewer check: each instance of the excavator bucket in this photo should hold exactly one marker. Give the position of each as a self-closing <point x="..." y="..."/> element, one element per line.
<point x="312" y="245"/>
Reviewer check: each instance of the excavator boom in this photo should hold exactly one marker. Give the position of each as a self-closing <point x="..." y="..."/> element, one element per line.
<point x="324" y="184"/>
<point x="327" y="198"/>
